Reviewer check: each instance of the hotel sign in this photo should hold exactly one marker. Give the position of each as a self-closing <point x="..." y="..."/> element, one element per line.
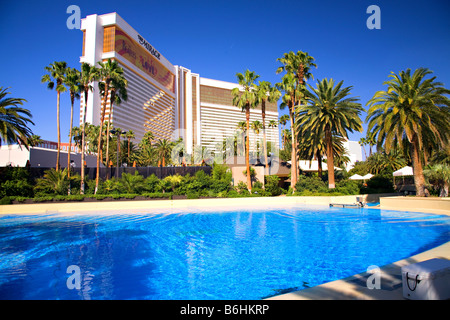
<point x="145" y="58"/>
<point x="149" y="47"/>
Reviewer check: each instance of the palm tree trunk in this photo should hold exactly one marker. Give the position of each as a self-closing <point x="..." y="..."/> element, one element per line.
<point x="247" y="147"/>
<point x="330" y="157"/>
<point x="83" y="141"/>
<point x="294" y="177"/>
<point x="263" y="112"/>
<point x="419" y="179"/>
<point x="107" y="144"/>
<point x="99" y="146"/>
<point x="72" y="98"/>
<point x="319" y="163"/>
<point x="58" y="129"/>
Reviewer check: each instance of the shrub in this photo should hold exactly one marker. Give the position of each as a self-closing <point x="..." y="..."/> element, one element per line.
<point x="151" y="184"/>
<point x="242" y="188"/>
<point x="192" y="195"/>
<point x="347" y="187"/>
<point x="271" y="185"/>
<point x="131" y="183"/>
<point x="378" y="184"/>
<point x="314" y="184"/>
<point x="53" y="182"/>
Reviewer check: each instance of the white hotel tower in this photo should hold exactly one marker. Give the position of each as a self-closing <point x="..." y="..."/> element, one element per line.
<point x="168" y="100"/>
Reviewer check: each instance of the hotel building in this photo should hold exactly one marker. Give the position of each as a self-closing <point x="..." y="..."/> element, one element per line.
<point x="169" y="100"/>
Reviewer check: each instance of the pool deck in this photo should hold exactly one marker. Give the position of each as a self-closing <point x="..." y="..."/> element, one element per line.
<point x="351" y="288"/>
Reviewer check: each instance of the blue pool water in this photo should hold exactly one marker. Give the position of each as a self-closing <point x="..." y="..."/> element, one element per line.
<point x="241" y="254"/>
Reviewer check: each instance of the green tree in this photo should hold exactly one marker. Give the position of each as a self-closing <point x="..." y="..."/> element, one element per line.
<point x="117" y="93"/>
<point x="54" y="181"/>
<point x="109" y="71"/>
<point x="265" y="92"/>
<point x="14" y="120"/>
<point x="414" y="111"/>
<point x="164" y="148"/>
<point x="72" y="82"/>
<point x="88" y="75"/>
<point x="246" y="100"/>
<point x="56" y="75"/>
<point x="330" y="110"/>
<point x="256" y="127"/>
<point x="298" y="70"/>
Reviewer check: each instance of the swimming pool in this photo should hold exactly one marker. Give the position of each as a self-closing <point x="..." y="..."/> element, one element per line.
<point x="201" y="254"/>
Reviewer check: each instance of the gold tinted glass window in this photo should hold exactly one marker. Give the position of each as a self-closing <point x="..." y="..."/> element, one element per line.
<point x="84" y="42"/>
<point x="108" y="39"/>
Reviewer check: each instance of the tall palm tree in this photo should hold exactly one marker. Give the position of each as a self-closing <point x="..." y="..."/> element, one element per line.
<point x="288" y="85"/>
<point x="330" y="110"/>
<point x="118" y="93"/>
<point x="89" y="74"/>
<point x="14" y="120"/>
<point x="298" y="65"/>
<point x="56" y="74"/>
<point x="108" y="71"/>
<point x="129" y="135"/>
<point x="246" y="100"/>
<point x="362" y="142"/>
<point x="415" y="112"/>
<point x="256" y="126"/>
<point x="72" y="82"/>
<point x="266" y="92"/>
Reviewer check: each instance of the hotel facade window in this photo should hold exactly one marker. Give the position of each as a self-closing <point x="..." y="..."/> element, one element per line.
<point x="169" y="100"/>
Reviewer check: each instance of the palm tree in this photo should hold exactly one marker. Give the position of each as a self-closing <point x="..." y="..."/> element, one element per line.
<point x="72" y="82"/>
<point x="256" y="126"/>
<point x="118" y="93"/>
<point x="163" y="147"/>
<point x="297" y="67"/>
<point x="266" y="92"/>
<point x="56" y="74"/>
<point x="413" y="112"/>
<point x="331" y="111"/>
<point x="34" y="140"/>
<point x="246" y="100"/>
<point x="283" y="120"/>
<point x="362" y="142"/>
<point x="148" y="138"/>
<point x="109" y="71"/>
<point x="130" y="135"/>
<point x="14" y="120"/>
<point x="289" y="86"/>
<point x="88" y="75"/>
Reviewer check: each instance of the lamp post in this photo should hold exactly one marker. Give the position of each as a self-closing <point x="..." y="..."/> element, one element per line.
<point x="118" y="132"/>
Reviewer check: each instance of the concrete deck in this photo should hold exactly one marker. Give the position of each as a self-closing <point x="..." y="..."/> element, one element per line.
<point x="351" y="288"/>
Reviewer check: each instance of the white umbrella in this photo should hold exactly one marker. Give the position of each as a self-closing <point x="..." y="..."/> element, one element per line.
<point x="367" y="176"/>
<point x="356" y="177"/>
<point x="405" y="171"/>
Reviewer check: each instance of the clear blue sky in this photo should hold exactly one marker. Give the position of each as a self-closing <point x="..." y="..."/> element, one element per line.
<point x="217" y="39"/>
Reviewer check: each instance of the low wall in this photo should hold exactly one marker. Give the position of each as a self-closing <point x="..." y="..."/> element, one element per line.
<point x="423" y="204"/>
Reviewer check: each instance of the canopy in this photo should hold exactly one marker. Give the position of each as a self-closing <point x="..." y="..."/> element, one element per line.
<point x="356" y="177"/>
<point x="405" y="171"/>
<point x="367" y="176"/>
